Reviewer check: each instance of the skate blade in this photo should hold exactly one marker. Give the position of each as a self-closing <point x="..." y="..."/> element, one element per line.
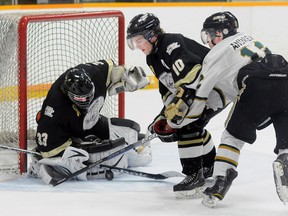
<point x="210" y="201"/>
<point x="190" y="194"/>
<point x="209" y="182"/>
<point x="281" y="189"/>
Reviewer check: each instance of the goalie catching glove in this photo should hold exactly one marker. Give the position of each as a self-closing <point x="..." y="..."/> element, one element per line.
<point x="178" y="108"/>
<point x="124" y="78"/>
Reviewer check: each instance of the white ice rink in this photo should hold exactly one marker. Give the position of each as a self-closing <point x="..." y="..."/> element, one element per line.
<point x="252" y="193"/>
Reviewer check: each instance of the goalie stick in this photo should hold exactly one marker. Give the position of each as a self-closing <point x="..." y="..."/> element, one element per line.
<point x="109" y="175"/>
<point x="158" y="176"/>
<point x="20" y="150"/>
<point x="115" y="154"/>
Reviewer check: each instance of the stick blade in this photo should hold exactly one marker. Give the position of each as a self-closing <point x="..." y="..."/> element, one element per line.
<point x="169" y="174"/>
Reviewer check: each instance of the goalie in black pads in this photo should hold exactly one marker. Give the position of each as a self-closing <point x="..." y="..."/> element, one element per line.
<point x="71" y="131"/>
<point x="176" y="62"/>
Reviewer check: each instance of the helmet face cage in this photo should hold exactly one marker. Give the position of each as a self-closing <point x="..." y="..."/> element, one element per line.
<point x="224" y="22"/>
<point x="205" y="33"/>
<point x="147" y="35"/>
<point x="80" y="88"/>
<point x="147" y="25"/>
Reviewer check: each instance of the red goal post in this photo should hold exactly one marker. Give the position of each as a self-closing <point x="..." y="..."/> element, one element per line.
<point x="34" y="50"/>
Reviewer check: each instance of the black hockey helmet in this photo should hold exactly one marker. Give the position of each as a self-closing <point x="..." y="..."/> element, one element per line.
<point x="79" y="87"/>
<point x="146" y="24"/>
<point x="225" y="22"/>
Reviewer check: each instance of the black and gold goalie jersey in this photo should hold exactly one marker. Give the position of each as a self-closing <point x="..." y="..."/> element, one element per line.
<point x="60" y="119"/>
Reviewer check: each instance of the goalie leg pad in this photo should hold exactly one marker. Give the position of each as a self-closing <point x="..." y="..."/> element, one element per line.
<point x="48" y="173"/>
<point x="142" y="155"/>
<point x="70" y="162"/>
<point x="129" y="129"/>
<point x="34" y="166"/>
<point x="103" y="150"/>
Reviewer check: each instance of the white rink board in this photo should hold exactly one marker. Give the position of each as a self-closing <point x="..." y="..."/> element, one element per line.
<point x="266" y="23"/>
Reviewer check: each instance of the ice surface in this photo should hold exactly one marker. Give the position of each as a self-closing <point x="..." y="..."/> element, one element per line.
<point x="252" y="193"/>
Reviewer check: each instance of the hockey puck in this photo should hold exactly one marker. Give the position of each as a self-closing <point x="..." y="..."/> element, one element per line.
<point x="109" y="175"/>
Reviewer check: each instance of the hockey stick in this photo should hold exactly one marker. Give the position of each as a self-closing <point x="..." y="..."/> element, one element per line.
<point x="55" y="182"/>
<point x="109" y="175"/>
<point x="160" y="176"/>
<point x="19" y="150"/>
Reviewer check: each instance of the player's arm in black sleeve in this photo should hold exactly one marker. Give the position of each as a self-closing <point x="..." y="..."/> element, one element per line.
<point x="52" y="136"/>
<point x="185" y="69"/>
<point x="185" y="64"/>
<point x="198" y="49"/>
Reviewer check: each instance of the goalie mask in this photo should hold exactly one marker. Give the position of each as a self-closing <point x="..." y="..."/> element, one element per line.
<point x="224" y="22"/>
<point x="147" y="25"/>
<point x="79" y="87"/>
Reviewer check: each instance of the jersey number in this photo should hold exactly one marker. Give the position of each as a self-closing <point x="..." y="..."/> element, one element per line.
<point x="178" y="66"/>
<point x="42" y="139"/>
<point x="254" y="55"/>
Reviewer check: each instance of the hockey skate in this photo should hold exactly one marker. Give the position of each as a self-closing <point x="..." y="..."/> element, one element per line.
<point x="192" y="186"/>
<point x="280" y="169"/>
<point x="212" y="195"/>
<point x="208" y="172"/>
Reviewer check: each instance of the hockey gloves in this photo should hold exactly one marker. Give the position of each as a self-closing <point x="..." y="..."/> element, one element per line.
<point x="178" y="108"/>
<point x="164" y="132"/>
<point x="124" y="78"/>
<point x="134" y="78"/>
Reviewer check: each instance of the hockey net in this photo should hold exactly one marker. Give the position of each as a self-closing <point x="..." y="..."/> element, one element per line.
<point x="34" y="50"/>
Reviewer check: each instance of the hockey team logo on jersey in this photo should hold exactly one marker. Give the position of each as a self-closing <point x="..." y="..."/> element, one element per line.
<point x="167" y="80"/>
<point x="93" y="112"/>
<point x="49" y="111"/>
<point x="172" y="47"/>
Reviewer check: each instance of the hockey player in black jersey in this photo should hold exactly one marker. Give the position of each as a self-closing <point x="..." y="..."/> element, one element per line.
<point x="70" y="117"/>
<point x="176" y="62"/>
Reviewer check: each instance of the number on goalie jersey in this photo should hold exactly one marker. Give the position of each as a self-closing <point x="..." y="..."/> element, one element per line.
<point x="72" y="107"/>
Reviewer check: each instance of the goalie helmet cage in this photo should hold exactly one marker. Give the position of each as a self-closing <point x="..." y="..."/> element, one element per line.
<point x="34" y="50"/>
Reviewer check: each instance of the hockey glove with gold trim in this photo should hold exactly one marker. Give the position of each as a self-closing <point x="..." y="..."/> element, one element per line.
<point x="177" y="110"/>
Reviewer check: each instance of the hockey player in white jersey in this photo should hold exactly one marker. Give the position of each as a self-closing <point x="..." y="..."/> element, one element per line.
<point x="230" y="52"/>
